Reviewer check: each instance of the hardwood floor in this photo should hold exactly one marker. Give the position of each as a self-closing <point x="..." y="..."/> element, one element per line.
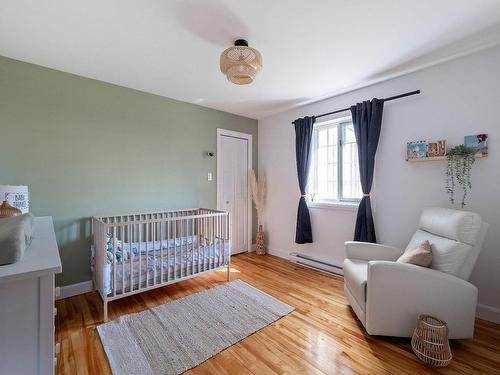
<point x="322" y="336"/>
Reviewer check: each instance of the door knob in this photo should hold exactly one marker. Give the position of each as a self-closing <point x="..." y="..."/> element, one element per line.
<point x="227" y="202"/>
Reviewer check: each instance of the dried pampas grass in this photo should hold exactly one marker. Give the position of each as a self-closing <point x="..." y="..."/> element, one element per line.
<point x="258" y="189"/>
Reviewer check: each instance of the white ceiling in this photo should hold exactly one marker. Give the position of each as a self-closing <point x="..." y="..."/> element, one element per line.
<point x="311" y="49"/>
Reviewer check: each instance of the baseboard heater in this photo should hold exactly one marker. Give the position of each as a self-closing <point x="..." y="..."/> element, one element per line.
<point x="317" y="264"/>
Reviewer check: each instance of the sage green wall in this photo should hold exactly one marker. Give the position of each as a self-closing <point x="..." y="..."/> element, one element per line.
<point x="85" y="148"/>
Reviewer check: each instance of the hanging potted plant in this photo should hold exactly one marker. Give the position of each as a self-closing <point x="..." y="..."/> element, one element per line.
<point x="258" y="189"/>
<point x="458" y="171"/>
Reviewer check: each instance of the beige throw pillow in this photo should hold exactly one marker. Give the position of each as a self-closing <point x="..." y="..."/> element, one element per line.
<point x="420" y="255"/>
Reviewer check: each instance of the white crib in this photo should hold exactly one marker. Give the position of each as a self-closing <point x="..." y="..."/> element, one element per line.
<point x="135" y="252"/>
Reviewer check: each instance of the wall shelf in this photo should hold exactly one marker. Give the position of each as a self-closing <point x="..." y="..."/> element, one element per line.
<point x="429" y="158"/>
<point x="435" y="158"/>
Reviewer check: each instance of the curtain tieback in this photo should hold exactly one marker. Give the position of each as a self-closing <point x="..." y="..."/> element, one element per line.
<point x="366" y="195"/>
<point x="304" y="196"/>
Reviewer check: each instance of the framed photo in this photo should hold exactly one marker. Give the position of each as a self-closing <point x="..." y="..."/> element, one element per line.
<point x="432" y="149"/>
<point x="479" y="143"/>
<point x="442" y="147"/>
<point x="416" y="150"/>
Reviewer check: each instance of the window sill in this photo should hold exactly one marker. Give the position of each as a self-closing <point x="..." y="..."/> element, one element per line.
<point x="345" y="206"/>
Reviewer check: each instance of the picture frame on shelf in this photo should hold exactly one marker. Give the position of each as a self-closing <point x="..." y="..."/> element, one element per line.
<point x="416" y="150"/>
<point x="479" y="143"/>
<point x="442" y="147"/>
<point x="432" y="150"/>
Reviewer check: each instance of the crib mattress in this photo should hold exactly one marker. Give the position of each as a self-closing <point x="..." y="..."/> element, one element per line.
<point x="178" y="261"/>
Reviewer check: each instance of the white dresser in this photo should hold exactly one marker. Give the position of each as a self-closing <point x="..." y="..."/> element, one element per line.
<point x="27" y="306"/>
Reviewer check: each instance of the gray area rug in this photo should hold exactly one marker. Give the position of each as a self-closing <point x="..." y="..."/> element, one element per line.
<point x="179" y="335"/>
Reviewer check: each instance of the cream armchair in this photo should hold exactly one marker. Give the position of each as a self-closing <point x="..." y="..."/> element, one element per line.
<point x="388" y="296"/>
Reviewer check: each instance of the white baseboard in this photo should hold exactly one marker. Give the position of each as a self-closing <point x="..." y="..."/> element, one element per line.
<point x="75" y="289"/>
<point x="489" y="313"/>
<point x="317" y="264"/>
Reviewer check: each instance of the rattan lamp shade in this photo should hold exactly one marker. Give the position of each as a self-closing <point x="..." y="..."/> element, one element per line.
<point x="240" y="63"/>
<point x="430" y="341"/>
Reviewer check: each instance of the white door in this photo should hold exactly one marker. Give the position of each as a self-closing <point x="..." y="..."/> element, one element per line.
<point x="233" y="188"/>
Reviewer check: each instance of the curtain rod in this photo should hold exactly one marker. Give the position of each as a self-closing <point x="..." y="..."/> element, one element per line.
<point x="385" y="100"/>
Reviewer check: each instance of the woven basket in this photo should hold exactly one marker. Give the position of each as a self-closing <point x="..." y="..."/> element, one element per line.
<point x="430" y="341"/>
<point x="260" y="242"/>
<point x="6" y="210"/>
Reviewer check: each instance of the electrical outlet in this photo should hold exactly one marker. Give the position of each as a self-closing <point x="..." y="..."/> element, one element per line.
<point x="209" y="176"/>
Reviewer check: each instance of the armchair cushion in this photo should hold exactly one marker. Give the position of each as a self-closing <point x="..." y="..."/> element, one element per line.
<point x="370" y="251"/>
<point x="461" y="226"/>
<point x="398" y="292"/>
<point x="447" y="255"/>
<point x="355" y="276"/>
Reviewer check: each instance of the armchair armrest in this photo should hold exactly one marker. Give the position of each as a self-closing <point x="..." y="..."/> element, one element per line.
<point x="371" y="251"/>
<point x="398" y="292"/>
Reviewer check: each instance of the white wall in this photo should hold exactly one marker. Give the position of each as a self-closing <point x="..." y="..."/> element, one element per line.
<point x="458" y="98"/>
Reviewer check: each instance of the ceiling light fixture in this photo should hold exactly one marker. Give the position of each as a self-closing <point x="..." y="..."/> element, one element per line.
<point x="240" y="63"/>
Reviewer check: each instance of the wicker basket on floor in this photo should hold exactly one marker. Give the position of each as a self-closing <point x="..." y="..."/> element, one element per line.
<point x="430" y="341"/>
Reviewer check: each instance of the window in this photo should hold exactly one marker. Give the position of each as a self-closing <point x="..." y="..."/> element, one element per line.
<point x="334" y="173"/>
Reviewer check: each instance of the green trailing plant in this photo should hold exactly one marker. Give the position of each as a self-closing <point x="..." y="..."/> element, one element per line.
<point x="458" y="171"/>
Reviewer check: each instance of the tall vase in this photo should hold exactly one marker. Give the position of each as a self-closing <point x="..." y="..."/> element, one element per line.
<point x="260" y="246"/>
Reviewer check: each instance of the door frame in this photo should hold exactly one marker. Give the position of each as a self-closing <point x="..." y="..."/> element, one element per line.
<point x="231" y="133"/>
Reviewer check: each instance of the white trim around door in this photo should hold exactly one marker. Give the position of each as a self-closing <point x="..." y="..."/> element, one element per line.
<point x="248" y="137"/>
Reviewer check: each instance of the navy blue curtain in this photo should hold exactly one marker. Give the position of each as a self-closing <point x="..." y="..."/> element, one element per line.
<point x="367" y="121"/>
<point x="303" y="138"/>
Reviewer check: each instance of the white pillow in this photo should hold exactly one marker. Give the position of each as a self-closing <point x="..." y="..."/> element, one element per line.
<point x="447" y="255"/>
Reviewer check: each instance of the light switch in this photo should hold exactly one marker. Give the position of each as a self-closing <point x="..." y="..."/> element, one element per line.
<point x="209" y="176"/>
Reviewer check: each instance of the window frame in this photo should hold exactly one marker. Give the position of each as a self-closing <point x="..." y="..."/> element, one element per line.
<point x="341" y="124"/>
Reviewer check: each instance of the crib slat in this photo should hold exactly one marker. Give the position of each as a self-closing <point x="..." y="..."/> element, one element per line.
<point x="183" y="248"/>
<point x="186" y="246"/>
<point x="209" y="257"/>
<point x="205" y="242"/>
<point x="180" y="245"/>
<point x="223" y="221"/>
<point x="186" y="235"/>
<point x="209" y="247"/>
<point x="192" y="246"/>
<point x="227" y="236"/>
<point x="198" y="241"/>
<point x="131" y="255"/>
<point x="161" y="249"/>
<point x="168" y="250"/>
<point x="210" y="250"/>
<point x="224" y="238"/>
<point x="207" y="236"/>
<point x="139" y="241"/>
<point x="217" y="244"/>
<point x="122" y="235"/>
<point x="153" y="229"/>
<point x="219" y="221"/>
<point x="113" y="242"/>
<point x="213" y="241"/>
<point x="181" y="263"/>
<point x="147" y="255"/>
<point x="175" y="249"/>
